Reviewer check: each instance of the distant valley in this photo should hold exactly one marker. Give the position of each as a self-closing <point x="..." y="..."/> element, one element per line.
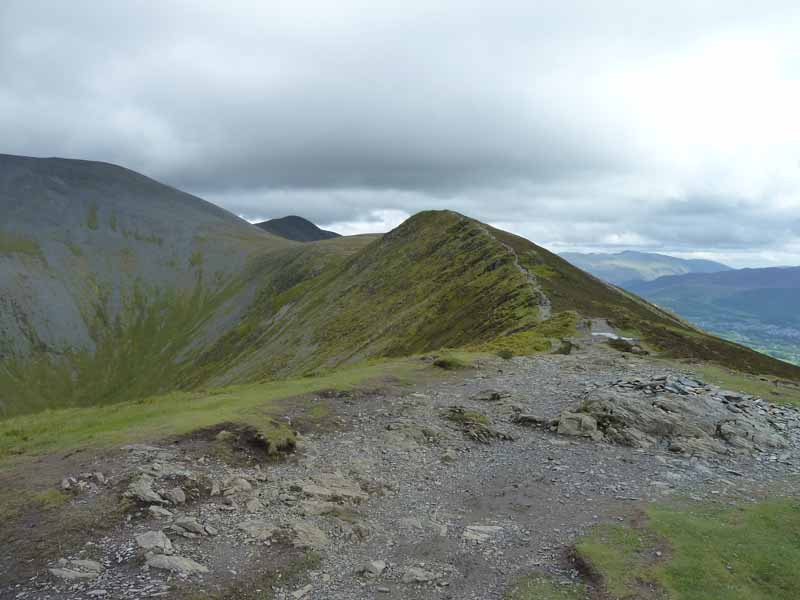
<point x="755" y="307"/>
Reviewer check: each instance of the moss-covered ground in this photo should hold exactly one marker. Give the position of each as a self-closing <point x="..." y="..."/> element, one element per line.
<point x="700" y="552"/>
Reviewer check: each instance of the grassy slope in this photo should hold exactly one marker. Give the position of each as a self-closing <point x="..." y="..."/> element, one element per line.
<point x="438" y="280"/>
<point x="569" y="288"/>
<point x="749" y="552"/>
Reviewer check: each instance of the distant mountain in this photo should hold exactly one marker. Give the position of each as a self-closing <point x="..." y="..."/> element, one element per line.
<point x="624" y="267"/>
<point x="756" y="307"/>
<point x="297" y="229"/>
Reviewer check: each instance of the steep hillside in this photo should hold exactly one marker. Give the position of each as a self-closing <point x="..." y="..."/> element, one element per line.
<point x="297" y="229"/>
<point x="104" y="275"/>
<point x="624" y="267"/>
<point x="757" y="307"/>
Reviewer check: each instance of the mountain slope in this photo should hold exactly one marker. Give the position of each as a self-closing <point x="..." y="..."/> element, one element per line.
<point x="104" y="276"/>
<point x="297" y="229"/>
<point x="628" y="266"/>
<point x="757" y="307"/>
<point x="116" y="287"/>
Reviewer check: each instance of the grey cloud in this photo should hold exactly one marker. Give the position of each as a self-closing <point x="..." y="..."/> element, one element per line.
<point x="523" y="113"/>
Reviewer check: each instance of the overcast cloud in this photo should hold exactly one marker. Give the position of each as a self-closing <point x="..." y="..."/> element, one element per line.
<point x="665" y="126"/>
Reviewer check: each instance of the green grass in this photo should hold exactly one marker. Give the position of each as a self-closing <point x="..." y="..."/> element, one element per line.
<point x="749" y="552"/>
<point x="537" y="338"/>
<point x="538" y="586"/>
<point x="91" y="217"/>
<point x="175" y="413"/>
<point x="461" y="416"/>
<point x="11" y="243"/>
<point x="50" y="498"/>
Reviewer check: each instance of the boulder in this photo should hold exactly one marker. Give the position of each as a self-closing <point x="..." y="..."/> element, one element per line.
<point x="158" y="512"/>
<point x="237" y="485"/>
<point x="176" y="495"/>
<point x="190" y="525"/>
<point x="258" y="529"/>
<point x="154" y="541"/>
<point x="373" y="568"/>
<point x="175" y="564"/>
<point x="141" y="489"/>
<point x="306" y="535"/>
<point x="578" y="425"/>
<point x="76" y="570"/>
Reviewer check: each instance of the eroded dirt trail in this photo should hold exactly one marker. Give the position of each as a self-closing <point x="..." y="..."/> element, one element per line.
<point x="401" y="502"/>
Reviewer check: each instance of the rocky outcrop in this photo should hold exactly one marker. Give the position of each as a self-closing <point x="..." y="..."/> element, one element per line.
<point x="680" y="415"/>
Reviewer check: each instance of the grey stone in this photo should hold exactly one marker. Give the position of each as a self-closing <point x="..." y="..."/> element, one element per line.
<point x="258" y="529"/>
<point x="237" y="485"/>
<point x="373" y="568"/>
<point x="176" y="495"/>
<point x="417" y="575"/>
<point x="154" y="541"/>
<point x="142" y="490"/>
<point x="307" y="535"/>
<point x="579" y="425"/>
<point x="75" y="570"/>
<point x="158" y="511"/>
<point x="191" y="525"/>
<point x="175" y="564"/>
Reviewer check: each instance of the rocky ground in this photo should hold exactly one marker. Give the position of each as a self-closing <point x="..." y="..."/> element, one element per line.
<point x="450" y="489"/>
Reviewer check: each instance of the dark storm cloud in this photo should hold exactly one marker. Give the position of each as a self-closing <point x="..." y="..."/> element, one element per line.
<point x="590" y="124"/>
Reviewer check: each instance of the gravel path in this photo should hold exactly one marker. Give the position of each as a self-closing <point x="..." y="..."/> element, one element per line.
<point x="402" y="493"/>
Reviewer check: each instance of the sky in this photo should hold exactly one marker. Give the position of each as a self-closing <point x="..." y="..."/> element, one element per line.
<point x="670" y="126"/>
